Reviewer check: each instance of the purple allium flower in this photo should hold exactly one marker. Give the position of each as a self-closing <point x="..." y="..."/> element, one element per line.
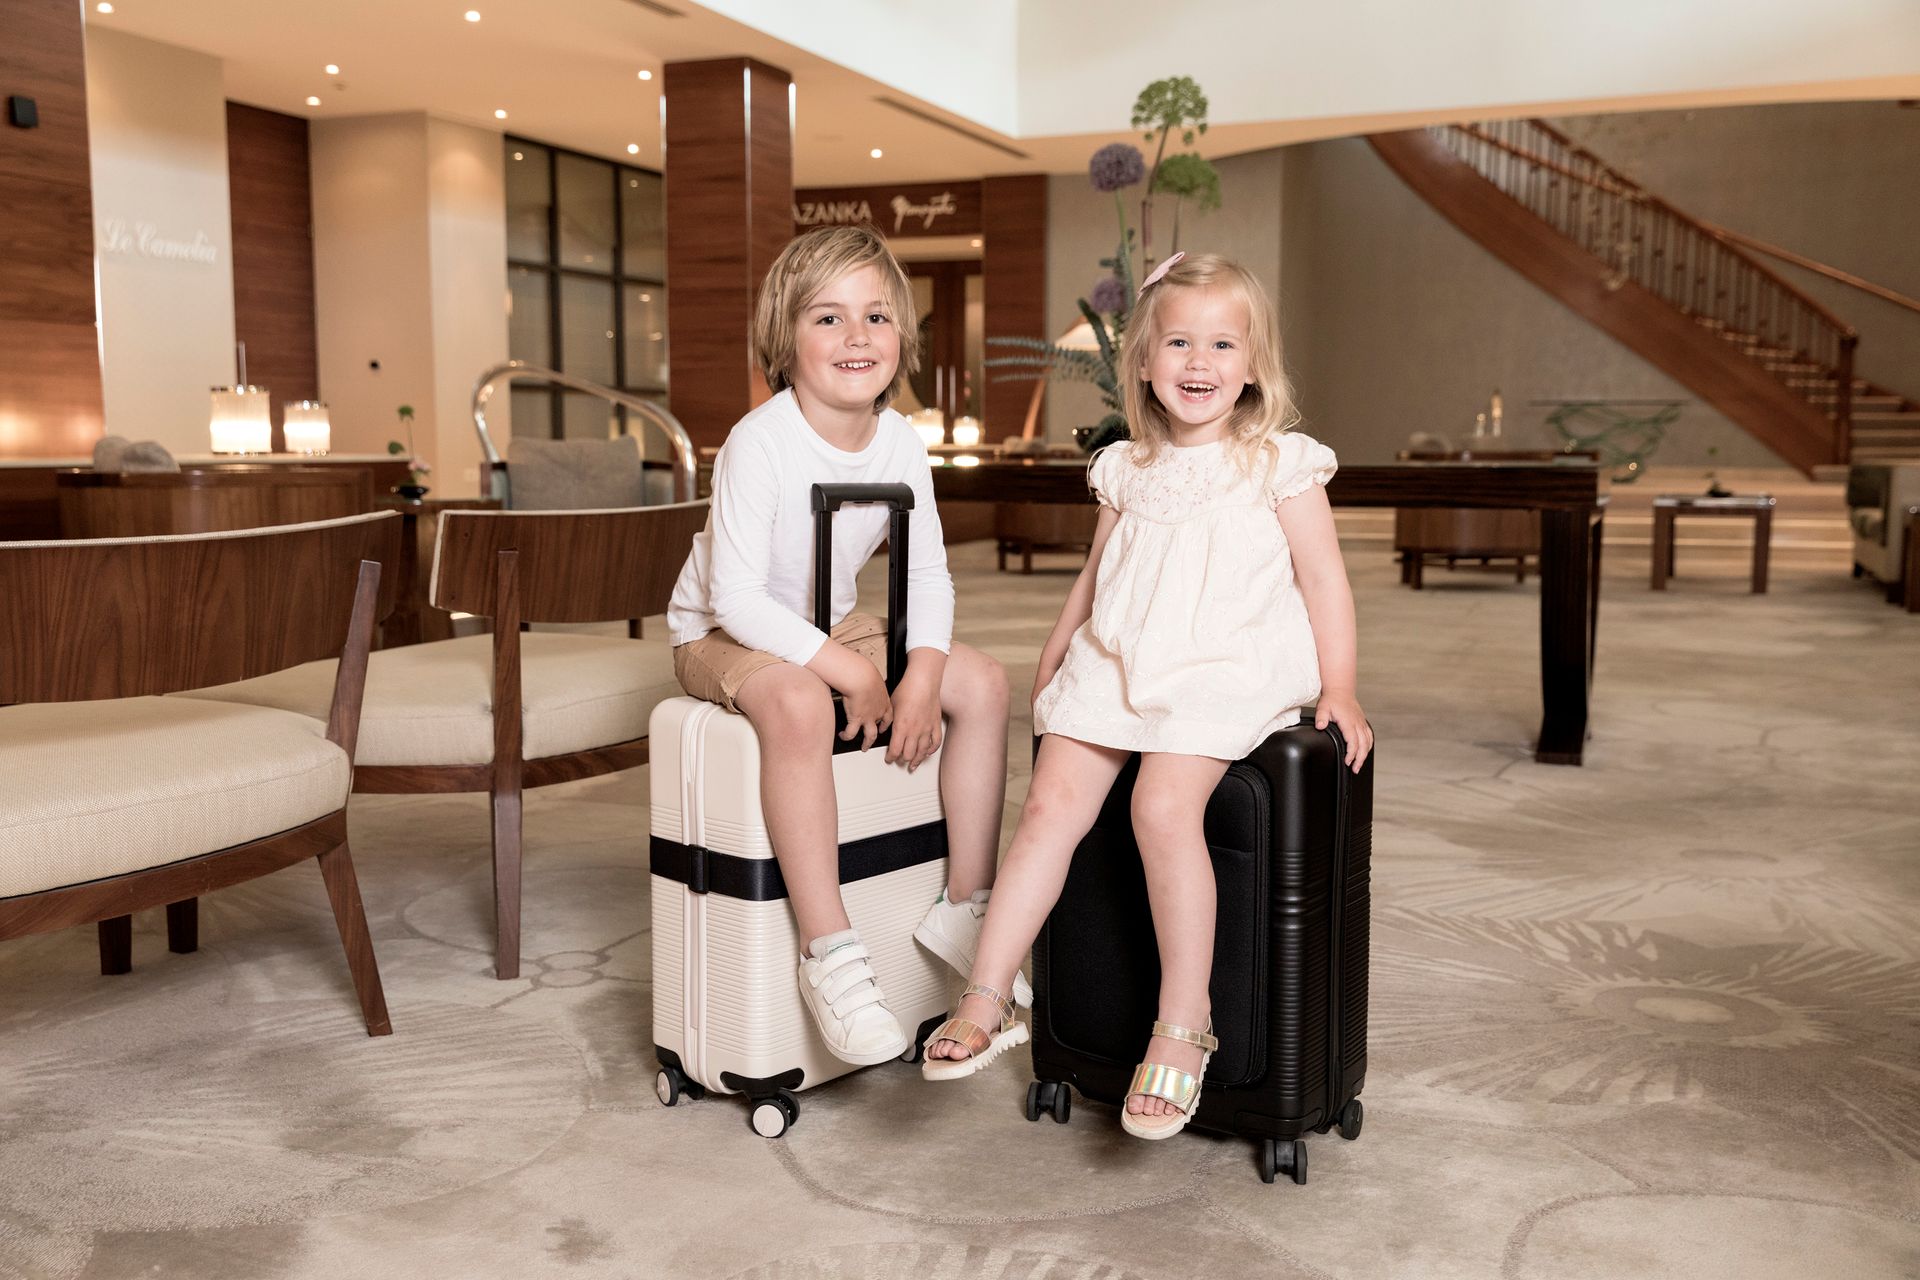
<point x="1108" y="296"/>
<point x="1116" y="165"/>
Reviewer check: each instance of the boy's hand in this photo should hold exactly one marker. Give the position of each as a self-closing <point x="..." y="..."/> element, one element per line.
<point x="917" y="730"/>
<point x="869" y="710"/>
<point x="1343" y="709"/>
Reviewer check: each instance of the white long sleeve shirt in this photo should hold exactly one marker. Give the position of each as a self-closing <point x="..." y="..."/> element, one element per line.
<point x="751" y="570"/>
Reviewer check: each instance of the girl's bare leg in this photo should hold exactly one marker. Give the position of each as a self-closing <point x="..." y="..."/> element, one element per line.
<point x="1070" y="783"/>
<point x="1169" y="806"/>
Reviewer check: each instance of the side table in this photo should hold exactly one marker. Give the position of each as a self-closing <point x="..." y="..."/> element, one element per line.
<point x="1757" y="507"/>
<point x="414" y="620"/>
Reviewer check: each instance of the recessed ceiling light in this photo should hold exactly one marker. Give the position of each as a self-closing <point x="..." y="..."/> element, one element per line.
<point x="104" y="7"/>
<point x="333" y="68"/>
<point x="312" y="101"/>
<point x="473" y="15"/>
<point x="633" y="148"/>
<point x="646" y="75"/>
<point x="646" y="297"/>
<point x="876" y="153"/>
<point x="519" y="155"/>
<point x="976" y="243"/>
<point x="500" y="114"/>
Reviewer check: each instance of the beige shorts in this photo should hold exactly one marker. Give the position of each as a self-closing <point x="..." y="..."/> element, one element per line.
<point x="715" y="666"/>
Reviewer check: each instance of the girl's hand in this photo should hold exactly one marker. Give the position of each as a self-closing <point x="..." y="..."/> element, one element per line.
<point x="1343" y="709"/>
<point x="1042" y="678"/>
<point x="916" y="721"/>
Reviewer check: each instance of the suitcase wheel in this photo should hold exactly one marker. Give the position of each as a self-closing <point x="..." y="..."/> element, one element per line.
<point x="1049" y="1097"/>
<point x="672" y="1084"/>
<point x="1289" y="1157"/>
<point x="1350" y="1117"/>
<point x="772" y="1117"/>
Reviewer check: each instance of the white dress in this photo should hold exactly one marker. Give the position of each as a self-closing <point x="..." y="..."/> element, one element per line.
<point x="1198" y="642"/>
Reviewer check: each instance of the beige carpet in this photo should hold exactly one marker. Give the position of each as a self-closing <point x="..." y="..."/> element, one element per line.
<point x="1652" y="1017"/>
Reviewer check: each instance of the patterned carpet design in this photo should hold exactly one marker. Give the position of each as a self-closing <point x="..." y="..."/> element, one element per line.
<point x="1657" y="1016"/>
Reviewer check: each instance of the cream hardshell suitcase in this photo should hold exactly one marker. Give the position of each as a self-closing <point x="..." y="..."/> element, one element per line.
<point x="727" y="1013"/>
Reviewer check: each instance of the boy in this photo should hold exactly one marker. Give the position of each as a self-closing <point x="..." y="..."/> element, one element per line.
<point x="834" y="333"/>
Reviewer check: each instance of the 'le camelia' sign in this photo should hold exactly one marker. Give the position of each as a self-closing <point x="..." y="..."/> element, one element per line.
<point x="143" y="239"/>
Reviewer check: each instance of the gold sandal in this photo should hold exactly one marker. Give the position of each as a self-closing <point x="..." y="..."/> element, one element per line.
<point x="982" y="1046"/>
<point x="1154" y="1080"/>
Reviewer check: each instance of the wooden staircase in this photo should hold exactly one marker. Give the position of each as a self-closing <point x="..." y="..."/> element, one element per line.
<point x="1684" y="295"/>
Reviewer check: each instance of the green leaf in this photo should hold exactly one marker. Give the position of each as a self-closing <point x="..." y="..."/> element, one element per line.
<point x="1189" y="176"/>
<point x="394" y="446"/>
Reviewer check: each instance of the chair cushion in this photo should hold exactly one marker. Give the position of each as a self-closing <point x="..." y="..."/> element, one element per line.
<point x="432" y="704"/>
<point x="96" y="789"/>
<point x="575" y="475"/>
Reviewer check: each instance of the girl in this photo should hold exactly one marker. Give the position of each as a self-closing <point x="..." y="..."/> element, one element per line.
<point x="833" y="332"/>
<point x="1214" y="605"/>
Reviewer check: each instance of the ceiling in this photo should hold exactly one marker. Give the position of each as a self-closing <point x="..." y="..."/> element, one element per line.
<point x="564" y="71"/>
<point x="567" y="72"/>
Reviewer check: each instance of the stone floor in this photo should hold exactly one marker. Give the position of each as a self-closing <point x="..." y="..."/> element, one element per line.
<point x="1657" y="1016"/>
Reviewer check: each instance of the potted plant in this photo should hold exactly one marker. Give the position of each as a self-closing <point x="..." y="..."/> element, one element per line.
<point x="1090" y="351"/>
<point x="417" y="466"/>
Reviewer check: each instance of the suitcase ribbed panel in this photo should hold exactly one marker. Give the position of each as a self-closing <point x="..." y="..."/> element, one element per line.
<point x="1291" y="802"/>
<point x="669" y="965"/>
<point x="724" y="755"/>
<point x="726" y="995"/>
<point x="755" y="1023"/>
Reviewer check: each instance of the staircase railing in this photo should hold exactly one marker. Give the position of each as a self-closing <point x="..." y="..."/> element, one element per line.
<point x="1639" y="237"/>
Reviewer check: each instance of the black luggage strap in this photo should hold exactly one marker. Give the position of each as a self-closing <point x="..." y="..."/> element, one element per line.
<point x="758" y="879"/>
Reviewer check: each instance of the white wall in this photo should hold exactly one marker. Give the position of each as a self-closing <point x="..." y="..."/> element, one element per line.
<point x="467" y="233"/>
<point x="410" y="252"/>
<point x="157" y="121"/>
<point x="372" y="286"/>
<point x="1263" y="60"/>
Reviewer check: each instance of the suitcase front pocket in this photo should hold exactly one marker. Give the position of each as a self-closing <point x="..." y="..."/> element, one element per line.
<point x="1103" y="969"/>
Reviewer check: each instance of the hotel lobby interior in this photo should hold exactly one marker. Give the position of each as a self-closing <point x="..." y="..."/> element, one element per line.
<point x="365" y="368"/>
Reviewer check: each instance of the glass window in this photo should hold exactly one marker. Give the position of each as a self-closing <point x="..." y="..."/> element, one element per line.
<point x="586" y="329"/>
<point x="590" y="417"/>
<point x="646" y="336"/>
<point x="529" y="196"/>
<point x="643" y="224"/>
<point x="586" y="213"/>
<point x="532" y="412"/>
<point x="586" y="252"/>
<point x="529" y="318"/>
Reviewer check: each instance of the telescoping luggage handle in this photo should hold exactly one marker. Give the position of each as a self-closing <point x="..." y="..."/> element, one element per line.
<point x="898" y="499"/>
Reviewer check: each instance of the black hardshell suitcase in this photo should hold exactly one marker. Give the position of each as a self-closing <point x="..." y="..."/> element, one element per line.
<point x="1290" y="829"/>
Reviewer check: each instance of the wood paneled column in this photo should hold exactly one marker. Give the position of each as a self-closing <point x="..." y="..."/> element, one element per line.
<point x="50" y="399"/>
<point x="729" y="178"/>
<point x="268" y="168"/>
<point x="1013" y="222"/>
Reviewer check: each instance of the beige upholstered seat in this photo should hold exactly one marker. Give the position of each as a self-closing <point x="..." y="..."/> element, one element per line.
<point x="98" y="789"/>
<point x="432" y="704"/>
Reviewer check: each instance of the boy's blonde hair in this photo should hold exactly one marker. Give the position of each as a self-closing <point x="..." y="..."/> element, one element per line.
<point x="1265" y="408"/>
<point x="810" y="262"/>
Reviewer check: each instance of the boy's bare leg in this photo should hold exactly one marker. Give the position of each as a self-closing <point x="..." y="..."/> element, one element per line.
<point x="1070" y="783"/>
<point x="792" y="713"/>
<point x="1169" y="811"/>
<point x="973" y="767"/>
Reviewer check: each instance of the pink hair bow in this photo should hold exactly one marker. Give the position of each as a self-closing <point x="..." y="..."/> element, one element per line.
<point x="1153" y="277"/>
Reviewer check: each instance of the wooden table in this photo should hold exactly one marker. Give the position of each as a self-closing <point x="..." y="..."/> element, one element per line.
<point x="1566" y="494"/>
<point x="1910" y="570"/>
<point x="137" y="504"/>
<point x="1757" y="507"/>
<point x="414" y="620"/>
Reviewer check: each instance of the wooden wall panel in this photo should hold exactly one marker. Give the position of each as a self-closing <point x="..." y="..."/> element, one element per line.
<point x="1013" y="219"/>
<point x="729" y="212"/>
<point x="269" y="185"/>
<point x="50" y="378"/>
